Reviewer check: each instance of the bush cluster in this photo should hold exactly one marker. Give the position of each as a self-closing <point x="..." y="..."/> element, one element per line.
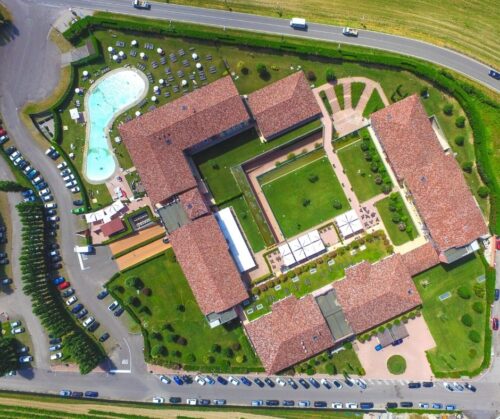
<point x="370" y="154"/>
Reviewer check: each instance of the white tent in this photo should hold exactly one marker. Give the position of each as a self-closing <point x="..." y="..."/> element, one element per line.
<point x="75" y="115"/>
<point x="348" y="223"/>
<point x="237" y="244"/>
<point x="105" y="214"/>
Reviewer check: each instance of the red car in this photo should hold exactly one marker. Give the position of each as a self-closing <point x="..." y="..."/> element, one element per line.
<point x="63" y="285"/>
<point x="498" y="242"/>
<point x="494" y="323"/>
<point x="2" y="132"/>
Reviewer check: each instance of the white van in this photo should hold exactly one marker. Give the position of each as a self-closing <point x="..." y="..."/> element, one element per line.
<point x="88" y="321"/>
<point x="298" y="23"/>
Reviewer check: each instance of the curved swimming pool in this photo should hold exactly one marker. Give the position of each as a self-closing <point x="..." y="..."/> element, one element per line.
<point x="108" y="97"/>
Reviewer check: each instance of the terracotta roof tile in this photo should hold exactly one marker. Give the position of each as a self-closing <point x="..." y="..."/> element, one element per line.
<point x="203" y="254"/>
<point x="193" y="203"/>
<point x="295" y="330"/>
<point x="112" y="227"/>
<point x="374" y="294"/>
<point x="158" y="140"/>
<point x="283" y="104"/>
<point x="420" y="259"/>
<point x="434" y="179"/>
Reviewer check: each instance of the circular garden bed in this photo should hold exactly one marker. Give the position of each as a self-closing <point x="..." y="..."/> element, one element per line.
<point x="396" y="364"/>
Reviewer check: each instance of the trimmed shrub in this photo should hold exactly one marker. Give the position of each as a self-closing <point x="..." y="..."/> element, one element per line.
<point x="228" y="353"/>
<point x="460" y="122"/>
<point x="330" y="75"/>
<point x="263" y="71"/>
<point x="474" y="336"/>
<point x="448" y="109"/>
<point x="181" y="308"/>
<point x="240" y="359"/>
<point x="190" y="358"/>
<point x="336" y="204"/>
<point x="467" y="320"/>
<point x="158" y="350"/>
<point x="464" y="292"/>
<point x="478" y="307"/>
<point x="460" y="140"/>
<point x="147" y="291"/>
<point x="311" y="76"/>
<point x="216" y="348"/>
<point x="236" y="346"/>
<point x="483" y="191"/>
<point x="310" y="371"/>
<point x="467" y="166"/>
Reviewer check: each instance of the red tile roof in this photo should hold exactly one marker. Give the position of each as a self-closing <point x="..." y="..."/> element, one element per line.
<point x="420" y="259"/>
<point x="203" y="255"/>
<point x="112" y="227"/>
<point x="374" y="294"/>
<point x="295" y="330"/>
<point x="283" y="104"/>
<point x="193" y="203"/>
<point x="434" y="179"/>
<point x="157" y="140"/>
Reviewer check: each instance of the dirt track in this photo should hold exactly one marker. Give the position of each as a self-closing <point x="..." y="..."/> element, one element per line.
<point x="142" y="253"/>
<point x="141" y="236"/>
<point x="84" y="408"/>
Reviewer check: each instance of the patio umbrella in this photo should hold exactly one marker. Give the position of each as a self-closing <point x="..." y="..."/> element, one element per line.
<point x="133" y="43"/>
<point x="159" y="51"/>
<point x="115" y="57"/>
<point x="194" y="55"/>
<point x="156" y="88"/>
<point x="121" y="54"/>
<point x="161" y="81"/>
<point x="137" y="113"/>
<point x="77" y="90"/>
<point x="184" y="83"/>
<point x="110" y="49"/>
<point x="85" y="73"/>
<point x="142" y="55"/>
<point x="153" y="98"/>
<point x="198" y="66"/>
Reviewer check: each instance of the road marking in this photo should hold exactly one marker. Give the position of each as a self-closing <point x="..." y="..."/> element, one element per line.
<point x="120" y="371"/>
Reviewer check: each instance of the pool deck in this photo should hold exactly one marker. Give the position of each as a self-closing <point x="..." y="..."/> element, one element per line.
<point x="110" y="124"/>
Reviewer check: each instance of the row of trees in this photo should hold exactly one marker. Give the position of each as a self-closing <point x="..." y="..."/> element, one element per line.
<point x="8" y="358"/>
<point x="10" y="186"/>
<point x="46" y="300"/>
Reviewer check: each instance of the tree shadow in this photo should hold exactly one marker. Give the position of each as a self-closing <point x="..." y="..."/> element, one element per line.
<point x="8" y="32"/>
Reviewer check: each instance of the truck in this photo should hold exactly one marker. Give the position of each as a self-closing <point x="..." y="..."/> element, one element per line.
<point x="141" y="4"/>
<point x="349" y="31"/>
<point x="298" y="23"/>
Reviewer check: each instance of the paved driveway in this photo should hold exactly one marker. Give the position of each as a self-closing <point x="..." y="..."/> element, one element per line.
<point x="412" y="349"/>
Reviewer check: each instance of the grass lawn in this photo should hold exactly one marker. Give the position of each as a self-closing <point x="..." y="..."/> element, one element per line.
<point x="174" y="314"/>
<point x="344" y="361"/>
<point x="339" y="92"/>
<point x="454" y="350"/>
<point x="356" y="92"/>
<point x="358" y="170"/>
<point x="374" y="104"/>
<point x="304" y="197"/>
<point x="396" y="364"/>
<point x="326" y="102"/>
<point x="397" y="236"/>
<point x="463" y="26"/>
<point x="309" y="280"/>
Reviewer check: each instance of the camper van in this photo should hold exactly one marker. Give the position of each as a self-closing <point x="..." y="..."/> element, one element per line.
<point x="298" y="23"/>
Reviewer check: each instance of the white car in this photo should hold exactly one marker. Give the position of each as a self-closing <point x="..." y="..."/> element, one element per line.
<point x="62" y="165"/>
<point x="199" y="380"/>
<point x="57" y="355"/>
<point x="72" y="300"/>
<point x="51" y="205"/>
<point x="76" y="189"/>
<point x="17" y="323"/>
<point x="68" y="178"/>
<point x="337" y="405"/>
<point x="351" y="405"/>
<point x="18" y="160"/>
<point x="191" y="401"/>
<point x="158" y="400"/>
<point x="47" y="198"/>
<point x="17" y="330"/>
<point x="25" y="359"/>
<point x="233" y="381"/>
<point x="113" y="305"/>
<point x="36" y="180"/>
<point x="65" y="172"/>
<point x="88" y="321"/>
<point x="53" y="218"/>
<point x="71" y="183"/>
<point x="164" y="379"/>
<point x="27" y="169"/>
<point x="281" y="382"/>
<point x="15" y="155"/>
<point x="349" y="31"/>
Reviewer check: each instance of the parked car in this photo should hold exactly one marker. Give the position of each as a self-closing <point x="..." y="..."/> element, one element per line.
<point x="313" y="382"/>
<point x="77" y="394"/>
<point x="281" y="382"/>
<point x="57" y="355"/>
<point x="406" y="404"/>
<point x="337" y="384"/>
<point x="23" y="349"/>
<point x="288" y="403"/>
<point x="113" y="306"/>
<point x="233" y="381"/>
<point x="428" y="384"/>
<point x="326" y="383"/>
<point x="51" y="205"/>
<point x="77" y="202"/>
<point x="494" y="323"/>
<point x="47" y="198"/>
<point x="269" y="382"/>
<point x="200" y="380"/>
<point x="58" y="280"/>
<point x="458" y="386"/>
<point x="164" y="379"/>
<point x="177" y="380"/>
<point x="438" y="406"/>
<point x="71" y="300"/>
<point x="246" y="381"/>
<point x="82" y="313"/>
<point x="497" y="291"/>
<point x="65" y="172"/>
<point x="93" y="327"/>
<point x="366" y="405"/>
<point x="209" y="380"/>
<point x="272" y="402"/>
<point x="158" y="400"/>
<point x="6" y="281"/>
<point x="495" y="74"/>
<point x="55" y="347"/>
<point x="220" y="402"/>
<point x="25" y="359"/>
<point x="414" y="385"/>
<point x="174" y="400"/>
<point x="75" y="189"/>
<point x="259" y="382"/>
<point x="391" y="405"/>
<point x="320" y="404"/>
<point x="292" y="383"/>
<point x="204" y="402"/>
<point x="103" y="294"/>
<point x="119" y="311"/>
<point x="257" y="402"/>
<point x="304" y="403"/>
<point x="451" y="407"/>
<point x="304" y="383"/>
<point x="222" y="380"/>
<point x="64" y="285"/>
<point x="71" y="184"/>
<point x="68" y="292"/>
<point x="76" y="308"/>
<point x="17" y="330"/>
<point x="88" y="321"/>
<point x="91" y="394"/>
<point x="62" y="165"/>
<point x="55" y="341"/>
<point x="65" y="393"/>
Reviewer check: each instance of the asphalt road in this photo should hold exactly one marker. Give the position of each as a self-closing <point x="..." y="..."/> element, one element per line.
<point x="445" y="57"/>
<point x="30" y="71"/>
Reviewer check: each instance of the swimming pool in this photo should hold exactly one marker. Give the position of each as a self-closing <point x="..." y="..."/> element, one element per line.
<point x="109" y="96"/>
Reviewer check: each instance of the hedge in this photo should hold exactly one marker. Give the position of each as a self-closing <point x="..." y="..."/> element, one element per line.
<point x="465" y="93"/>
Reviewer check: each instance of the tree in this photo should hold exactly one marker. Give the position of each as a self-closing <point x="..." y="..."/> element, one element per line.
<point x="228" y="353"/>
<point x="147" y="291"/>
<point x="311" y="76"/>
<point x="467" y="166"/>
<point x="158" y="350"/>
<point x="242" y="68"/>
<point x="134" y="282"/>
<point x="262" y="70"/>
<point x="464" y="292"/>
<point x="424" y="91"/>
<point x="460" y="122"/>
<point x="330" y="75"/>
<point x="483" y="191"/>
<point x="448" y="109"/>
<point x="235" y="346"/>
<point x="181" y="308"/>
<point x="8" y="360"/>
<point x="216" y="348"/>
<point x="337" y="204"/>
<point x="467" y="320"/>
<point x="10" y="186"/>
<point x="240" y="359"/>
<point x="190" y="358"/>
<point x="478" y="307"/>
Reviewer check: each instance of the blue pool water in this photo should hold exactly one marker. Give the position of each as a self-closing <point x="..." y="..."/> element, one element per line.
<point x="109" y="97"/>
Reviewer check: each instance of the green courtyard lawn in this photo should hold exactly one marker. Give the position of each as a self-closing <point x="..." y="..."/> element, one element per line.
<point x="356" y="92"/>
<point x="314" y="275"/>
<point x="339" y="92"/>
<point x="177" y="331"/>
<point x="305" y="197"/>
<point x="358" y="169"/>
<point x="374" y="104"/>
<point x="459" y="347"/>
<point x="401" y="215"/>
<point x="343" y="361"/>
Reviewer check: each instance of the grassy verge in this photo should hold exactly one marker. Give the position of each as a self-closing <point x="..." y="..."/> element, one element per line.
<point x="460" y="341"/>
<point x="374" y="104"/>
<point x="356" y="92"/>
<point x="326" y="102"/>
<point x="317" y="198"/>
<point x="343" y="361"/>
<point x="177" y="333"/>
<point x="363" y="166"/>
<point x="339" y="92"/>
<point x="317" y="273"/>
<point x="396" y="219"/>
<point x="396" y="365"/>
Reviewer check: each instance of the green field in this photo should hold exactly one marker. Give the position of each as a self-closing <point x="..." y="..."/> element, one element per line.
<point x="175" y="324"/>
<point x="454" y="351"/>
<point x="358" y="170"/>
<point x="344" y="361"/>
<point x="339" y="92"/>
<point x="374" y="104"/>
<point x="356" y="92"/>
<point x="316" y="274"/>
<point x="397" y="236"/>
<point x="468" y="27"/>
<point x="305" y="197"/>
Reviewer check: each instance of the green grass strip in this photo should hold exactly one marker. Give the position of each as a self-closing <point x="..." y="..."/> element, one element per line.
<point x="357" y="89"/>
<point x="339" y="92"/>
<point x="326" y="102"/>
<point x="374" y="104"/>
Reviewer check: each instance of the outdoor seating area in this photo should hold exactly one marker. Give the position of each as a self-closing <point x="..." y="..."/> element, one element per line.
<point x="300" y="249"/>
<point x="368" y="218"/>
<point x="348" y="223"/>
